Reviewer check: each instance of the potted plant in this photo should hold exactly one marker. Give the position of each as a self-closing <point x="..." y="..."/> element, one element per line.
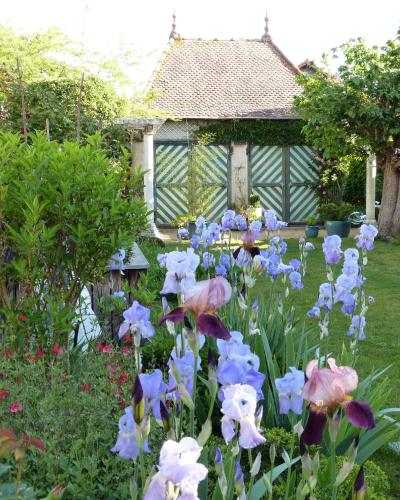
<point x="255" y="203"/>
<point x="336" y="218"/>
<point x="312" y="227"/>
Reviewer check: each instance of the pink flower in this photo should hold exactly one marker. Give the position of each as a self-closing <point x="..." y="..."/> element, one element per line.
<point x="125" y="351"/>
<point x="7" y="353"/>
<point x="57" y="491"/>
<point x="202" y="300"/>
<point x="16" y="407"/>
<point x="40" y="353"/>
<point x="22" y="317"/>
<point x="107" y="349"/>
<point x="85" y="387"/>
<point x="3" y="393"/>
<point x="57" y="350"/>
<point x="326" y="389"/>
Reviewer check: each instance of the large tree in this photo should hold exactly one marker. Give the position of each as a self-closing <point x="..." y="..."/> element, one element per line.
<point x="357" y="110"/>
<point x="43" y="73"/>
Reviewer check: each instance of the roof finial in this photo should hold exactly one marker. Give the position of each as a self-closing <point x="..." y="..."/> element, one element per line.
<point x="266" y="36"/>
<point x="174" y="35"/>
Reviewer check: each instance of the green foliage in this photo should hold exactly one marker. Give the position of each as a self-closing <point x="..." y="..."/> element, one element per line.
<point x="198" y="187"/>
<point x="78" y="424"/>
<point x="49" y="68"/>
<point x="311" y="220"/>
<point x="347" y="112"/>
<point x="256" y="132"/>
<point x="64" y="210"/>
<point x="333" y="211"/>
<point x="376" y="480"/>
<point x="56" y="100"/>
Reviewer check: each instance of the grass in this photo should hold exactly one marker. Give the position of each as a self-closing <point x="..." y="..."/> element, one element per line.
<point x="382" y="346"/>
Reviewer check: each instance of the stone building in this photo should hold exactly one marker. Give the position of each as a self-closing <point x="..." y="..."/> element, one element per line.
<point x="222" y="83"/>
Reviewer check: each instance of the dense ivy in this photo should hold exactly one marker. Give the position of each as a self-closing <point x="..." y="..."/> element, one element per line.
<point x="255" y="132"/>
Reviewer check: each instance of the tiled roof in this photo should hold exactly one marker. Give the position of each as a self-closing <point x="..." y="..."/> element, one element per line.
<point x="221" y="79"/>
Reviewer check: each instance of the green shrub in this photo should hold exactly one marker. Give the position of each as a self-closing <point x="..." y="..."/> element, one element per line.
<point x="78" y="425"/>
<point x="333" y="211"/>
<point x="64" y="210"/>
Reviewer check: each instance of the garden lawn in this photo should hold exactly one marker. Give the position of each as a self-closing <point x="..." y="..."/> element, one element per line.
<point x="382" y="346"/>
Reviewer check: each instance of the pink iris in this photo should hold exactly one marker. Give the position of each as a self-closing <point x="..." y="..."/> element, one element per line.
<point x="326" y="389"/>
<point x="202" y="300"/>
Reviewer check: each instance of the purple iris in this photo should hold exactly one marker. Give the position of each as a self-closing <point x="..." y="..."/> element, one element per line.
<point x="195" y="242"/>
<point x="289" y="388"/>
<point x="240" y="222"/>
<point x="365" y="239"/>
<point x="215" y="231"/>
<point x="153" y="388"/>
<point x="349" y="303"/>
<point x="120" y="295"/>
<point x="271" y="221"/>
<point x="220" y="270"/>
<point x="325" y="296"/>
<point x="332" y="250"/>
<point x="162" y="259"/>
<point x="314" y="312"/>
<point x="137" y="320"/>
<point x="296" y="264"/>
<point x="225" y="260"/>
<point x="185" y="368"/>
<point x="255" y="227"/>
<point x="117" y="260"/>
<point x="357" y="326"/>
<point x="308" y="247"/>
<point x="238" y="371"/>
<point x="183" y="233"/>
<point x="344" y="285"/>
<point x="200" y="224"/>
<point x="208" y="260"/>
<point x="295" y="280"/>
<point x="126" y="445"/>
<point x="243" y="258"/>
<point x="228" y="220"/>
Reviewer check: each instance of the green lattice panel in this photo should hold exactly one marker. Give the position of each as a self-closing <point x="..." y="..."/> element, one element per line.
<point x="170" y="176"/>
<point x="303" y="174"/>
<point x="267" y="176"/>
<point x="171" y="168"/>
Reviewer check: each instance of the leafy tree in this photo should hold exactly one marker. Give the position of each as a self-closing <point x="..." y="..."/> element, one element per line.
<point x="357" y="111"/>
<point x="47" y="69"/>
<point x="64" y="211"/>
<point x="56" y="100"/>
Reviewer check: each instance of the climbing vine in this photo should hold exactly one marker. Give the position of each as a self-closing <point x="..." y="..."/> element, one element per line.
<point x="255" y="132"/>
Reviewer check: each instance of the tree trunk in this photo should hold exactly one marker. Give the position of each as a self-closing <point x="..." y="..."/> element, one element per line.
<point x="390" y="205"/>
<point x="396" y="214"/>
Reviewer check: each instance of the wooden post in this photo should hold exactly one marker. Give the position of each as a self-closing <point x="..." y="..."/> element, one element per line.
<point x="79" y="110"/>
<point x="48" y="129"/>
<point x="23" y="103"/>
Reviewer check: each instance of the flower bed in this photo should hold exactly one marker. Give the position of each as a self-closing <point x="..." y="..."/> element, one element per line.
<point x="244" y="404"/>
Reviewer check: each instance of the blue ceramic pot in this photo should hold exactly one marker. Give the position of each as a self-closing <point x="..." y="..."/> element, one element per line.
<point x="339" y="227"/>
<point x="311" y="231"/>
<point x="191" y="227"/>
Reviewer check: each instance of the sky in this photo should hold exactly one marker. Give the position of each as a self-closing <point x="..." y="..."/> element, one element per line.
<point x="302" y="29"/>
